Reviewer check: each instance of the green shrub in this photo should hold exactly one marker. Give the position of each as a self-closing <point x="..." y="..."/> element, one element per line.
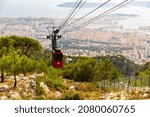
<point x="68" y="71"/>
<point x="87" y="69"/>
<point x="81" y="71"/>
<point x="52" y="79"/>
<point x="39" y="90"/>
<point x="86" y="87"/>
<point x="72" y="96"/>
<point x="39" y="98"/>
<point x="56" y="83"/>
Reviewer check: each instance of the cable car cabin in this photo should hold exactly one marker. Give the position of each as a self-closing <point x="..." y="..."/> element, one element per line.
<point x="58" y="59"/>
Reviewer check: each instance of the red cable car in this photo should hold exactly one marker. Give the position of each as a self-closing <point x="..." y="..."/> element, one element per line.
<point x="58" y="59"/>
<point x="57" y="55"/>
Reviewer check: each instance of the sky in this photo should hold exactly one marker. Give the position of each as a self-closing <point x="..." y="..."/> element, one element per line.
<point x="16" y="8"/>
<point x="48" y="8"/>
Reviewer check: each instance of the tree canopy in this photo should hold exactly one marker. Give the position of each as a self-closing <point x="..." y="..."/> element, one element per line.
<point x="19" y="55"/>
<point x="89" y="69"/>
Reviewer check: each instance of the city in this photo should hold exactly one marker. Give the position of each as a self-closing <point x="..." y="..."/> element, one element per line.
<point x="101" y="38"/>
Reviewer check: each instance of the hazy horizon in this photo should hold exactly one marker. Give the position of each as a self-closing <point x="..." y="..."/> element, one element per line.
<point x="49" y="8"/>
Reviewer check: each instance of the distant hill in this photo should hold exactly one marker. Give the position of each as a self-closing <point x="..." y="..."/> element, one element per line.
<point x="126" y="66"/>
<point x="93" y="5"/>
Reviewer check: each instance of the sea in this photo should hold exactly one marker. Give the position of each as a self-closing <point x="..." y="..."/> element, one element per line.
<point x="47" y="8"/>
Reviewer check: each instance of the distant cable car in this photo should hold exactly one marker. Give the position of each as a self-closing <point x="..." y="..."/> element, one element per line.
<point x="57" y="55"/>
<point x="58" y="59"/>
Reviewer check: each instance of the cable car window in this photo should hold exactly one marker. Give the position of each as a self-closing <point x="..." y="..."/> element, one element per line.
<point x="58" y="57"/>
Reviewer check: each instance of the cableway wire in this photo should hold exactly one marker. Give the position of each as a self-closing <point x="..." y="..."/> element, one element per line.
<point x="104" y="14"/>
<point x="78" y="9"/>
<point x="70" y="12"/>
<point x="89" y="13"/>
<point x="67" y="19"/>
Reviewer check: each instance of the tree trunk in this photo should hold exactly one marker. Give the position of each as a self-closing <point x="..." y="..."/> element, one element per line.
<point x="129" y="82"/>
<point x="2" y="76"/>
<point x="15" y="83"/>
<point x="24" y="72"/>
<point x="149" y="81"/>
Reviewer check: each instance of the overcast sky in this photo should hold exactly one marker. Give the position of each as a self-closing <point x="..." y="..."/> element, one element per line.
<point x="48" y="8"/>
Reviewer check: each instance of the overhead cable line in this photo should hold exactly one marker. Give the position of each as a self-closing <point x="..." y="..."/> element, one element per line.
<point x="103" y="14"/>
<point x="78" y="9"/>
<point x="70" y="12"/>
<point x="67" y="19"/>
<point x="89" y="13"/>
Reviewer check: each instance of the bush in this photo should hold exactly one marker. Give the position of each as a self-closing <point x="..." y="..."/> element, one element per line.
<point x="52" y="79"/>
<point x="81" y="71"/>
<point x="39" y="98"/>
<point x="56" y="83"/>
<point x="68" y="71"/>
<point x="86" y="87"/>
<point x="72" y="96"/>
<point x="89" y="70"/>
<point x="39" y="90"/>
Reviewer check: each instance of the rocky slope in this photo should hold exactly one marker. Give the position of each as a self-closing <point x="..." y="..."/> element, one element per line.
<point x="24" y="90"/>
<point x="90" y="92"/>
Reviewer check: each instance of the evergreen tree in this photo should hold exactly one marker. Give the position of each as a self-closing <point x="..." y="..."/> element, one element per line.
<point x="14" y="65"/>
<point x="105" y="70"/>
<point x="4" y="66"/>
<point x="28" y="46"/>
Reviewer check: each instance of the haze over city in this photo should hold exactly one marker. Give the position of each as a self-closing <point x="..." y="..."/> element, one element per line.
<point x="123" y="32"/>
<point x="49" y="8"/>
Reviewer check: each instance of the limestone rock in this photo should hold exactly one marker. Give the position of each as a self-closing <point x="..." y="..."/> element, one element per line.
<point x="57" y="94"/>
<point x="42" y="74"/>
<point x="4" y="88"/>
<point x="32" y="76"/>
<point x="25" y="78"/>
<point x="4" y="98"/>
<point x="72" y="87"/>
<point x="145" y="95"/>
<point x="16" y="96"/>
<point x="44" y="86"/>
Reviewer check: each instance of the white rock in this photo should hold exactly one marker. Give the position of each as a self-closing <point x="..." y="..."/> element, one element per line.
<point x="21" y="75"/>
<point x="33" y="84"/>
<point x="27" y="85"/>
<point x="33" y="81"/>
<point x="44" y="86"/>
<point x="20" y="89"/>
<point x="42" y="74"/>
<point x="17" y="77"/>
<point x="4" y="88"/>
<point x="4" y="98"/>
<point x="145" y="95"/>
<point x="72" y="87"/>
<point x="103" y="97"/>
<point x="123" y="97"/>
<point x="33" y="76"/>
<point x="57" y="94"/>
<point x="16" y="96"/>
<point x="25" y="78"/>
<point x="146" y="90"/>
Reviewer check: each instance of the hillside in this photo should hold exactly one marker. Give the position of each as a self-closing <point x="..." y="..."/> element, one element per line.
<point x="26" y="73"/>
<point x="23" y="91"/>
<point x="126" y="66"/>
<point x="88" y="91"/>
<point x="72" y="91"/>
